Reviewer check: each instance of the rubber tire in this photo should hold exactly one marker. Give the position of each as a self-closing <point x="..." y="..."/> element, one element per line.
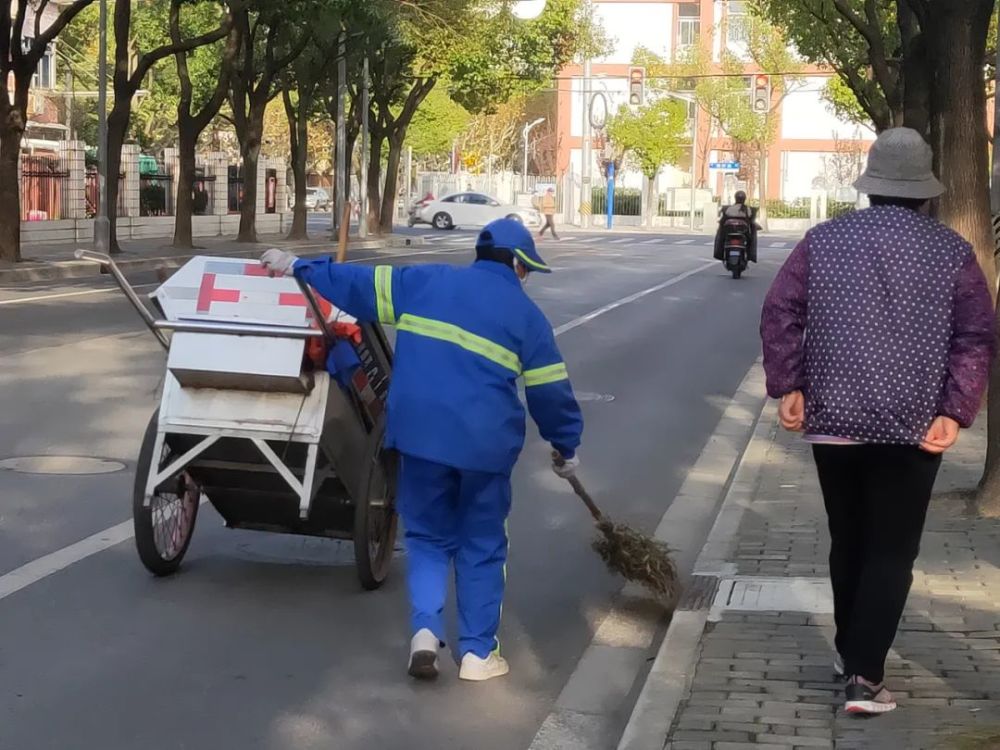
<point x="737" y="272"/>
<point x="515" y="217"/>
<point x="372" y="573"/>
<point x="442" y="220"/>
<point x="142" y="517"/>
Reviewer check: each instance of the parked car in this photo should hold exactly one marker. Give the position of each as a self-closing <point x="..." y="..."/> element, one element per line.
<point x="317" y="199"/>
<point x="473" y="210"/>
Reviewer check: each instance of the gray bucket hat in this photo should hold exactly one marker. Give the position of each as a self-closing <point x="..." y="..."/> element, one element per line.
<point x="900" y="166"/>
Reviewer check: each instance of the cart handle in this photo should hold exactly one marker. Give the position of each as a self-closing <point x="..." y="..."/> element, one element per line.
<point x="317" y="311"/>
<point x="240" y="329"/>
<point x="105" y="261"/>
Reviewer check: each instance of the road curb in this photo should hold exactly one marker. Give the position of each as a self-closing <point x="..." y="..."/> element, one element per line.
<point x="131" y="262"/>
<point x="673" y="669"/>
<point x="595" y="701"/>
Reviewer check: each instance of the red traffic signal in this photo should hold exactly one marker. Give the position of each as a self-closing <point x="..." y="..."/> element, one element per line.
<point x="761" y="95"/>
<point x="636" y="86"/>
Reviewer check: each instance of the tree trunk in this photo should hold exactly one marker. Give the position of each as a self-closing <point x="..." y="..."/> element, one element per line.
<point x="184" y="208"/>
<point x="762" y="187"/>
<point x="117" y="127"/>
<point x="10" y="193"/>
<point x="298" y="143"/>
<point x="391" y="180"/>
<point x="250" y="151"/>
<point x="374" y="183"/>
<point x="988" y="497"/>
<point x="650" y="200"/>
<point x="960" y="108"/>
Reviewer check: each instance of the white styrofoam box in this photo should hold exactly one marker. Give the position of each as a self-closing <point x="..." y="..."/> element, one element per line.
<point x="212" y="410"/>
<point x="216" y="360"/>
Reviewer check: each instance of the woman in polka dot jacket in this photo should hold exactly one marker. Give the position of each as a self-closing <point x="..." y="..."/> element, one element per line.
<point x="878" y="334"/>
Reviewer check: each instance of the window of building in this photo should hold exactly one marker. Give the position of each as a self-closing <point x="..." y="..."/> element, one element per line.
<point x="737" y="23"/>
<point x="44" y="77"/>
<point x="689" y="24"/>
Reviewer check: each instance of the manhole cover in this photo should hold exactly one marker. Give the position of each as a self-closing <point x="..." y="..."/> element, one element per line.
<point x="61" y="465"/>
<point x="584" y="396"/>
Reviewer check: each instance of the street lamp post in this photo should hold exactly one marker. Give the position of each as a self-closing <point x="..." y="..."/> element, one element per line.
<point x="102" y="224"/>
<point x="524" y="173"/>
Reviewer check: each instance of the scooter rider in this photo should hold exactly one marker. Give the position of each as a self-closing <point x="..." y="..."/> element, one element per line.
<point x="738" y="210"/>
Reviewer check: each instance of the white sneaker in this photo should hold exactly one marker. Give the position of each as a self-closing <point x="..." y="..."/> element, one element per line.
<point x="424" y="655"/>
<point x="477" y="669"/>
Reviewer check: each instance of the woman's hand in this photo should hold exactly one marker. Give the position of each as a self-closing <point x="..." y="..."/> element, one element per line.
<point x="792" y="411"/>
<point x="941" y="436"/>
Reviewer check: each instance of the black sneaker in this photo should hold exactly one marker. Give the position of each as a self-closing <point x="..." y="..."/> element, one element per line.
<point x="866" y="699"/>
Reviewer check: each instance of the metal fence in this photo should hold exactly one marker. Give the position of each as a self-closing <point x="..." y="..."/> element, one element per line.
<point x="43" y="188"/>
<point x="156" y="194"/>
<point x="203" y="193"/>
<point x="235" y="186"/>
<point x="270" y="191"/>
<point x="92" y="193"/>
<point x="627" y="201"/>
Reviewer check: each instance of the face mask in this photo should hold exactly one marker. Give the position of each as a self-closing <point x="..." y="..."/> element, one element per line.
<point x="518" y="267"/>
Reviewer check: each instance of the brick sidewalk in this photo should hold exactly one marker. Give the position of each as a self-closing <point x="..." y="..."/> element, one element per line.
<point x="764" y="675"/>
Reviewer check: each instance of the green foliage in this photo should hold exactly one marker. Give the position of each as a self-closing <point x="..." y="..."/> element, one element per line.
<point x="437" y="123"/>
<point x="843" y="102"/>
<point x="822" y="35"/>
<point x="653" y="136"/>
<point x="502" y="57"/>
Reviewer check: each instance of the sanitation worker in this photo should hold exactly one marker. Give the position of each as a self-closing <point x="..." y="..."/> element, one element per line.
<point x="466" y="336"/>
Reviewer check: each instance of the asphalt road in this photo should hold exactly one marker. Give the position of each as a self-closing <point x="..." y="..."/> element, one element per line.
<point x="267" y="642"/>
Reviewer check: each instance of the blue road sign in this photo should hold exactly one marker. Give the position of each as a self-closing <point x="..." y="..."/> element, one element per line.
<point x="733" y="166"/>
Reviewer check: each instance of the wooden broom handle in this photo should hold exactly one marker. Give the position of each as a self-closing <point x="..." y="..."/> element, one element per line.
<point x="579" y="489"/>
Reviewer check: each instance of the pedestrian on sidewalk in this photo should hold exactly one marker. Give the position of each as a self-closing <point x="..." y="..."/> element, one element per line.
<point x="548" y="208"/>
<point x="466" y="337"/>
<point x="878" y="334"/>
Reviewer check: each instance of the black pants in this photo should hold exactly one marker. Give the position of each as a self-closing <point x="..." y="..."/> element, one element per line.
<point x="876" y="499"/>
<point x="550" y="223"/>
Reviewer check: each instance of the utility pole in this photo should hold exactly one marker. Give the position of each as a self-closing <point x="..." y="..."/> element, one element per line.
<point x="363" y="187"/>
<point x="586" y="194"/>
<point x="102" y="225"/>
<point x="524" y="172"/>
<point x="694" y="161"/>
<point x="340" y="176"/>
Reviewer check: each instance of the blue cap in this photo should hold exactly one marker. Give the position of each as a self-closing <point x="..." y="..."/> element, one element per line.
<point x="508" y="234"/>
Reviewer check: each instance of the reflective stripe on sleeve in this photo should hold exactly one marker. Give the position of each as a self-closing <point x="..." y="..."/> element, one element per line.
<point x="383" y="295"/>
<point x="544" y="375"/>
<point x="437" y="329"/>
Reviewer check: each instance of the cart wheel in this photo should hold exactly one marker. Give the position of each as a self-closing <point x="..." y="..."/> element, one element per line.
<point x="375" y="519"/>
<point x="163" y="530"/>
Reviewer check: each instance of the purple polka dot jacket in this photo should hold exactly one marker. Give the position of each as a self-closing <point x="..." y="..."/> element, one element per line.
<point x="883" y="319"/>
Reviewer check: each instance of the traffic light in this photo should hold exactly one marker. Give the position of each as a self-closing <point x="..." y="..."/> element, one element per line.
<point x="761" y="99"/>
<point x="636" y="86"/>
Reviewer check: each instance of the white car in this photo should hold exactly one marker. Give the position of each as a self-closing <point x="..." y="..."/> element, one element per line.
<point x="317" y="199"/>
<point x="473" y="210"/>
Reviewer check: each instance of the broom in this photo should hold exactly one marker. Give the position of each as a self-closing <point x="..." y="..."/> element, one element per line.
<point x="629" y="553"/>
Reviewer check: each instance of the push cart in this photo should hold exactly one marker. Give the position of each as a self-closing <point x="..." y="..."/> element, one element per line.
<point x="251" y="421"/>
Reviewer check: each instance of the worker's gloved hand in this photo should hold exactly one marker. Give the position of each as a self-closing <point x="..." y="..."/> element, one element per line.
<point x="564" y="467"/>
<point x="278" y="262"/>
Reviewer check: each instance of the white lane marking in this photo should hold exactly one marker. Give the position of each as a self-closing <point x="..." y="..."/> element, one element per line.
<point x="619" y="242"/>
<point x="586" y="239"/>
<point x="778" y="244"/>
<point x="684" y="242"/>
<point x="64" y="295"/>
<point x="44" y="566"/>
<point x="650" y="242"/>
<point x="577" y="322"/>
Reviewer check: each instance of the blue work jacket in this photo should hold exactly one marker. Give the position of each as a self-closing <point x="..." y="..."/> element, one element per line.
<point x="465" y="336"/>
